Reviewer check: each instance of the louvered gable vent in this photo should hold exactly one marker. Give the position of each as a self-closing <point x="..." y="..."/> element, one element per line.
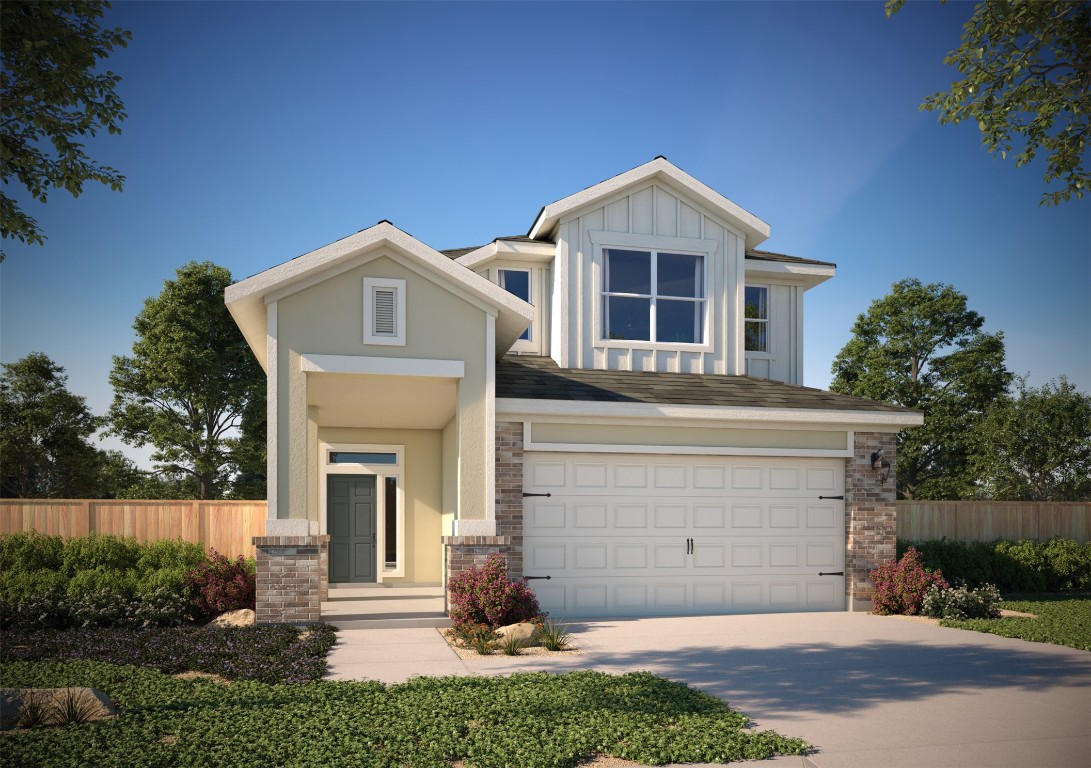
<point x="384" y="311"/>
<point x="385" y="303"/>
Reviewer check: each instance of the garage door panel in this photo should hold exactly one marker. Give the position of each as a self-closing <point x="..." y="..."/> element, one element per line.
<point x="628" y="535"/>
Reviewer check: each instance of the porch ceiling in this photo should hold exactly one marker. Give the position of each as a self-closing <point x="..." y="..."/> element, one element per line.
<point x="395" y="402"/>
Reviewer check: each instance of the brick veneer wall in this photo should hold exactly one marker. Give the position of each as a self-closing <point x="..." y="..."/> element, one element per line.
<point x="509" y="490"/>
<point x="461" y="553"/>
<point x="290" y="581"/>
<point x="871" y="518"/>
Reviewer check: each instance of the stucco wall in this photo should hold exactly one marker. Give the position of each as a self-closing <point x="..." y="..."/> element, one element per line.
<point x="327" y="319"/>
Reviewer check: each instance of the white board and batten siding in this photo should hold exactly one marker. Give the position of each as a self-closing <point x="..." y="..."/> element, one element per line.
<point x="784" y="359"/>
<point x="637" y="535"/>
<point x="657" y="216"/>
<point x="652" y="212"/>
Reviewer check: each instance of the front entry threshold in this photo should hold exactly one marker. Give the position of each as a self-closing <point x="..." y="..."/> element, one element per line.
<point x="385" y="608"/>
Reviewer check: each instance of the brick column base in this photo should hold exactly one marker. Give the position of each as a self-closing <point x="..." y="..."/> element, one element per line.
<point x="290" y="578"/>
<point x="462" y="553"/>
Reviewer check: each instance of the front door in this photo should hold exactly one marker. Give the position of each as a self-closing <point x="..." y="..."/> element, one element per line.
<point x="350" y="501"/>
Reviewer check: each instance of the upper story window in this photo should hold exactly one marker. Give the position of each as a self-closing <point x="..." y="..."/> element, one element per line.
<point x="757" y="318"/>
<point x="653" y="296"/>
<point x="517" y="282"/>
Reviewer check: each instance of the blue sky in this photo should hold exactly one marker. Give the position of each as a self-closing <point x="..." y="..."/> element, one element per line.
<point x="260" y="131"/>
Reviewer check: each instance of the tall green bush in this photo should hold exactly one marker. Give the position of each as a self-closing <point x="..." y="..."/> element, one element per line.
<point x="1056" y="565"/>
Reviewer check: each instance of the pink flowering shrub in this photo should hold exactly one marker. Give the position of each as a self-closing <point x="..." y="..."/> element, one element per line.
<point x="218" y="585"/>
<point x="487" y="596"/>
<point x="901" y="585"/>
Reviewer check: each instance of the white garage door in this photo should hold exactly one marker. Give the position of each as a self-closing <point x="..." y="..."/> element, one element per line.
<point x="633" y="535"/>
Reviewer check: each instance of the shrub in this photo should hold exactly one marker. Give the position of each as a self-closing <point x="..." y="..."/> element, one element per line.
<point x="218" y="585"/>
<point x="487" y="596"/>
<point x="17" y="585"/>
<point x="962" y="603"/>
<point x="1056" y="565"/>
<point x="901" y="585"/>
<point x="30" y="551"/>
<point x="99" y="609"/>
<point x="92" y="581"/>
<point x="101" y="551"/>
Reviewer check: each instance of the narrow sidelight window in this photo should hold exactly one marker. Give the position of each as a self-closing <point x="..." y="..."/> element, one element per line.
<point x="390" y="487"/>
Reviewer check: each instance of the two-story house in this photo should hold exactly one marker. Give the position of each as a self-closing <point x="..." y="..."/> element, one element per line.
<point x="612" y="400"/>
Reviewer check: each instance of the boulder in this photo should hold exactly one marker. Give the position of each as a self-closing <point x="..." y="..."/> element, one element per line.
<point x="525" y="631"/>
<point x="243" y="617"/>
<point x="55" y="706"/>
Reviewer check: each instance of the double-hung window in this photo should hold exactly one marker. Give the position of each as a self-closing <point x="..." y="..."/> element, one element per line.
<point x="653" y="296"/>
<point x="757" y="318"/>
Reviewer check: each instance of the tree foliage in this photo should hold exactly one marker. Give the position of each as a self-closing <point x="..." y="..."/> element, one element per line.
<point x="52" y="100"/>
<point x="1036" y="445"/>
<point x="44" y="429"/>
<point x="188" y="382"/>
<point x="1025" y="80"/>
<point x="920" y="347"/>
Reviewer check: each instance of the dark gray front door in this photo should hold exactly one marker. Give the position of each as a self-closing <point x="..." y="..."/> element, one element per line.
<point x="350" y="501"/>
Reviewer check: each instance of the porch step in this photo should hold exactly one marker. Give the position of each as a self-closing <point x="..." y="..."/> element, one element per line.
<point x="373" y="621"/>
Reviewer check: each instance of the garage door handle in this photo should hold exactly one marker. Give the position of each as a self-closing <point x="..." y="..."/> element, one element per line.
<point x="831" y="573"/>
<point x="832" y="497"/>
<point x="689" y="546"/>
<point x="525" y="495"/>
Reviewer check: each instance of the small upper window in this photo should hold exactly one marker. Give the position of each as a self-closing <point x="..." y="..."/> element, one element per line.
<point x="653" y="296"/>
<point x="384" y="311"/>
<point x="757" y="318"/>
<point x="517" y="282"/>
<point x="358" y="457"/>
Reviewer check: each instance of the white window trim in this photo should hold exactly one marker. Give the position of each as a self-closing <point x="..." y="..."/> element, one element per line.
<point x="767" y="353"/>
<point x="381" y="472"/>
<point x="532" y="344"/>
<point x="631" y="243"/>
<point x="370" y="337"/>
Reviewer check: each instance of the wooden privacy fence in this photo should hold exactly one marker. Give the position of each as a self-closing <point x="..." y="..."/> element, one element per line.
<point x="226" y="526"/>
<point x="990" y="520"/>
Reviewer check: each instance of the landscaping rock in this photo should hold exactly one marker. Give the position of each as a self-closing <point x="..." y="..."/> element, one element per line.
<point x="524" y="631"/>
<point x="91" y="704"/>
<point x="243" y="617"/>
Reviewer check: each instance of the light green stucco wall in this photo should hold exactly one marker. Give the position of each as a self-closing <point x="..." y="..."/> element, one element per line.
<point x="327" y="319"/>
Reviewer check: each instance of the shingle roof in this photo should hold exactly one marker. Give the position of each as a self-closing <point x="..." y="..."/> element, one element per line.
<point x="529" y="377"/>
<point x="783" y="257"/>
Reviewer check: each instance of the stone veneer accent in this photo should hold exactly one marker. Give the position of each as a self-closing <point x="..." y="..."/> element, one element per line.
<point x="871" y="518"/>
<point x="292" y="578"/>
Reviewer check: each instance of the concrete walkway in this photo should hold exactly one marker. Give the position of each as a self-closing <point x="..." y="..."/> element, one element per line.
<point x="867" y="691"/>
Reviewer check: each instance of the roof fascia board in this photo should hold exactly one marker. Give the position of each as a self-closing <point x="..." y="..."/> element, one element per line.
<point x="878" y="421"/>
<point x="809" y="274"/>
<point x="538" y="252"/>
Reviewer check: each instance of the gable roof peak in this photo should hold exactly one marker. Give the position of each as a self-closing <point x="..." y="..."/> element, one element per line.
<point x="754" y="229"/>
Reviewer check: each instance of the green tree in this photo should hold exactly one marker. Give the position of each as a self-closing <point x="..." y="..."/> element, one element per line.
<point x="44" y="429"/>
<point x="187" y="384"/>
<point x="920" y="347"/>
<point x="1036" y="446"/>
<point x="51" y="100"/>
<point x="1025" y="69"/>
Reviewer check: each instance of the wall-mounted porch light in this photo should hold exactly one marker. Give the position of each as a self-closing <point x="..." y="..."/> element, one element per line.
<point x="880" y="465"/>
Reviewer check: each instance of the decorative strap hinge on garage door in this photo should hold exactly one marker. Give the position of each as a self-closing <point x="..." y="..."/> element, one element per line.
<point x="831" y="573"/>
<point x="820" y="497"/>
<point x="525" y="495"/>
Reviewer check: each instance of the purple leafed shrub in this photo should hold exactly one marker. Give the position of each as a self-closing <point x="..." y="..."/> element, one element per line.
<point x="487" y="596"/>
<point x="901" y="585"/>
<point x="218" y="585"/>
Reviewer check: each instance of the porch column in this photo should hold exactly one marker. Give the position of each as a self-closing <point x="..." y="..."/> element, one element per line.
<point x="291" y="578"/>
<point x="871" y="518"/>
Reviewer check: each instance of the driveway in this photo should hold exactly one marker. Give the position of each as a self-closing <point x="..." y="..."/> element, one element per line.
<point x="867" y="691"/>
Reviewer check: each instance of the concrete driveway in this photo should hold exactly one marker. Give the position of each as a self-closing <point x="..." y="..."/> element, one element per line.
<point x="867" y="691"/>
